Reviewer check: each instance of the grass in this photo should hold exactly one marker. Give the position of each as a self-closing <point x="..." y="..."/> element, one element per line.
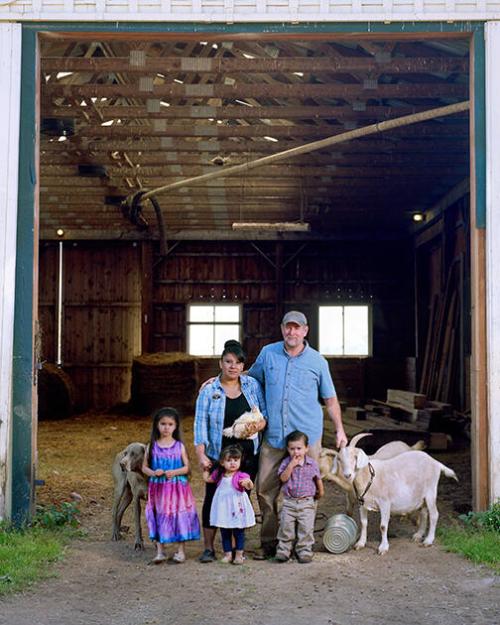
<point x="477" y="537"/>
<point x="27" y="555"/>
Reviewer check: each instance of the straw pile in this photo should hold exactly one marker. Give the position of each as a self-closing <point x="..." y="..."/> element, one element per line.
<point x="56" y="393"/>
<point x="164" y="379"/>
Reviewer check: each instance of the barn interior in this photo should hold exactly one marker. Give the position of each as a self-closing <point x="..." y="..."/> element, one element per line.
<point x="379" y="222"/>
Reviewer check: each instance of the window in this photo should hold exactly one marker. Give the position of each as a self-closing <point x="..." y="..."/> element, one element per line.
<point x="210" y="326"/>
<point x="344" y="330"/>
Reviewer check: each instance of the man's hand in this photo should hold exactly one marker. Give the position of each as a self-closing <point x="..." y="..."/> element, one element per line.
<point x="209" y="381"/>
<point x="341" y="438"/>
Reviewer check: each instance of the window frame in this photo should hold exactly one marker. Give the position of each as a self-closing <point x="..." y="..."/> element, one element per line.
<point x="214" y="305"/>
<point x="343" y="305"/>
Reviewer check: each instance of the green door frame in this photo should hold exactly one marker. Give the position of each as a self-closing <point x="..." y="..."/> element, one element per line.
<point x="23" y="419"/>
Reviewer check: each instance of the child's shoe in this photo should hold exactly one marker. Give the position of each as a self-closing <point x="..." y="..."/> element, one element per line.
<point x="227" y="558"/>
<point x="239" y="558"/>
<point x="178" y="558"/>
<point x="279" y="557"/>
<point x="305" y="559"/>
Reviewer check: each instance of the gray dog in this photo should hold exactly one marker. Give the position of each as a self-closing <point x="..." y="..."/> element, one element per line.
<point x="130" y="487"/>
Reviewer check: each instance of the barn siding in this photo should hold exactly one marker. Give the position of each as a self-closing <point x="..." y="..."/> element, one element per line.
<point x="102" y="317"/>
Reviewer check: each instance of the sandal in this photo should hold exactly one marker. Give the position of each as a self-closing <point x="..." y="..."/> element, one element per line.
<point x="178" y="558"/>
<point x="227" y="559"/>
<point x="239" y="559"/>
<point x="158" y="559"/>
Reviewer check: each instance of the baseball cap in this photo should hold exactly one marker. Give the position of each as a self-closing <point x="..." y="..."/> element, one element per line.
<point x="294" y="316"/>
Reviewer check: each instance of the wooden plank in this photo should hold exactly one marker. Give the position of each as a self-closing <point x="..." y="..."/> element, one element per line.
<point x="258" y="90"/>
<point x="407" y="399"/>
<point x="224" y="65"/>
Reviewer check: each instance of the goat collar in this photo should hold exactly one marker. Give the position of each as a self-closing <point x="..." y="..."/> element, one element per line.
<point x="361" y="498"/>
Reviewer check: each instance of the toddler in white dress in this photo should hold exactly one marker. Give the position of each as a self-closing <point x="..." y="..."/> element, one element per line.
<point x="231" y="509"/>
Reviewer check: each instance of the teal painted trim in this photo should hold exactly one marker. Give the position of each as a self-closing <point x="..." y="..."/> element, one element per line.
<point x="22" y="366"/>
<point x="259" y="27"/>
<point x="480" y="127"/>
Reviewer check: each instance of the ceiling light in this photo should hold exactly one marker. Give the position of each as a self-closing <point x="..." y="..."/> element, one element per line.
<point x="63" y="74"/>
<point x="178" y="81"/>
<point x="243" y="102"/>
<point x="298" y="73"/>
<point x="110" y="122"/>
<point x="418" y="217"/>
<point x="203" y="43"/>
<point x="62" y="138"/>
<point x="60" y="232"/>
<point x="215" y="46"/>
<point x="284" y="226"/>
<point x="270" y="139"/>
<point x="163" y="103"/>
<point x="248" y="56"/>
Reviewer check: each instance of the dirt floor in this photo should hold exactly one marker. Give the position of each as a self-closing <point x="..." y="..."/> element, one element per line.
<point x="103" y="582"/>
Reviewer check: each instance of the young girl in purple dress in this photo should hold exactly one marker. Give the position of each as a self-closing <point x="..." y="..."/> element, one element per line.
<point x="170" y="511"/>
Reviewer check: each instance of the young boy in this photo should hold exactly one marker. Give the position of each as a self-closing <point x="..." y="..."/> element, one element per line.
<point x="302" y="486"/>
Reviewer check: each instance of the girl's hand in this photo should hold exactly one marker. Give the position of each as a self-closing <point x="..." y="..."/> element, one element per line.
<point x="246" y="483"/>
<point x="159" y="472"/>
<point x="170" y="474"/>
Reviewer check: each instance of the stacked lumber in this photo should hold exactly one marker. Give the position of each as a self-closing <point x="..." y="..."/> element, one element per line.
<point x="442" y="375"/>
<point x="406" y="406"/>
<point x="164" y="379"/>
<point x="406" y="399"/>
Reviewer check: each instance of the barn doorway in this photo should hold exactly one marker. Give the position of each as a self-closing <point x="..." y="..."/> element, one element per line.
<point x="119" y="115"/>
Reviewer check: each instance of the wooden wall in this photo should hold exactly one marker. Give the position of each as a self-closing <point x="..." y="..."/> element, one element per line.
<point x="102" y="317"/>
<point x="108" y="285"/>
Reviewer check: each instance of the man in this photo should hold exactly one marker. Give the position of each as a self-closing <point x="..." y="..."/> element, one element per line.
<point x="294" y="376"/>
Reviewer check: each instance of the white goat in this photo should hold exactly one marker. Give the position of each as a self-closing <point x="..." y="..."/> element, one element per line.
<point x="402" y="484"/>
<point x="330" y="469"/>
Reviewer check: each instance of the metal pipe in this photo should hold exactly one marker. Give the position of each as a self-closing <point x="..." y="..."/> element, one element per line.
<point x="59" y="307"/>
<point x="315" y="145"/>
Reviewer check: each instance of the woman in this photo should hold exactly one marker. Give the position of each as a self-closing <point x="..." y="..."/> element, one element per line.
<point x="218" y="406"/>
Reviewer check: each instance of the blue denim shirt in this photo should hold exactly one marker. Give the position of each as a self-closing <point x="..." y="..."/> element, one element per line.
<point x="293" y="385"/>
<point x="210" y="408"/>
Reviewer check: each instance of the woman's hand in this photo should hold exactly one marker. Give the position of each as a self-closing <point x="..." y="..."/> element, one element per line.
<point x="205" y="462"/>
<point x="255" y="427"/>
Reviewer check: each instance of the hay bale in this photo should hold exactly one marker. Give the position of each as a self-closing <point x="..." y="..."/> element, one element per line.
<point x="56" y="393"/>
<point x="164" y="379"/>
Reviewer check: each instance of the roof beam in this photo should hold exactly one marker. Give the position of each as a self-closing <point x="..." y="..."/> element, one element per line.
<point x="252" y="90"/>
<point x="224" y="65"/>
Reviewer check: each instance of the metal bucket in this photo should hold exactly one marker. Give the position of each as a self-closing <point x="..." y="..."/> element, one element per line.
<point x="340" y="533"/>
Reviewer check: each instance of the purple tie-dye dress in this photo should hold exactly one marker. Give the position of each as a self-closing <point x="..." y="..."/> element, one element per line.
<point x="171" y="510"/>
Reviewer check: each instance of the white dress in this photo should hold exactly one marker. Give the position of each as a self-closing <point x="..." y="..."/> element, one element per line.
<point x="230" y="507"/>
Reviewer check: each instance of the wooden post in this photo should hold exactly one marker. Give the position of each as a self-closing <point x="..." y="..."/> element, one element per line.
<point x="279" y="298"/>
<point x="479" y="398"/>
<point x="146" y="297"/>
